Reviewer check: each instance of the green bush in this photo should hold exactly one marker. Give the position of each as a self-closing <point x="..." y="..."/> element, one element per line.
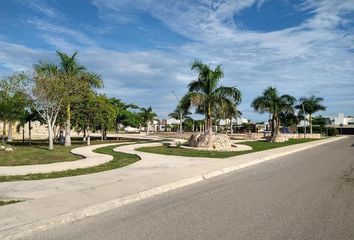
<point x="332" y="132"/>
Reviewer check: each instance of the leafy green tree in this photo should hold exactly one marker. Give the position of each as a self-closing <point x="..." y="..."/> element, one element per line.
<point x="105" y="115"/>
<point x="124" y="114"/>
<point x="310" y="105"/>
<point x="147" y="116"/>
<point x="12" y="102"/>
<point x="271" y="102"/>
<point x="319" y="124"/>
<point x="206" y="93"/>
<point x="30" y="115"/>
<point x="47" y="90"/>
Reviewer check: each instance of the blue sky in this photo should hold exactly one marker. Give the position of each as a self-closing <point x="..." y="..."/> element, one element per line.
<point x="143" y="48"/>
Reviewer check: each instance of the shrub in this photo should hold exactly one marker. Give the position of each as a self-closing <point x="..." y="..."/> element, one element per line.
<point x="332" y="132"/>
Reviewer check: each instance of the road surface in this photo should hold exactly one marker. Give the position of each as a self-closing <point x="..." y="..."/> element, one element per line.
<point x="306" y="195"/>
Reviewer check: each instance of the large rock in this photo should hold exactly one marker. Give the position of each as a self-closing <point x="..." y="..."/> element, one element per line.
<point x="212" y="141"/>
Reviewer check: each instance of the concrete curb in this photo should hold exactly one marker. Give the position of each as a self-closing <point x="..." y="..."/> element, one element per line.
<point x="89" y="211"/>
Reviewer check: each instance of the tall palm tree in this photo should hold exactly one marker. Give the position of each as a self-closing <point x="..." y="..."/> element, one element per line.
<point x="147" y="116"/>
<point x="181" y="114"/>
<point x="271" y="102"/>
<point x="310" y="105"/>
<point x="81" y="78"/>
<point x="231" y="113"/>
<point x="206" y="93"/>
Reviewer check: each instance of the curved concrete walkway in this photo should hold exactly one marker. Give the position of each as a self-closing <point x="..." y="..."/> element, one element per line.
<point x="90" y="159"/>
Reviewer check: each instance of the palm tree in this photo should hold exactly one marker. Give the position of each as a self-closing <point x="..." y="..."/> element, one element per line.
<point x="77" y="74"/>
<point x="231" y="113"/>
<point x="181" y="114"/>
<point x="147" y="116"/>
<point x="206" y="93"/>
<point x="310" y="105"/>
<point x="271" y="102"/>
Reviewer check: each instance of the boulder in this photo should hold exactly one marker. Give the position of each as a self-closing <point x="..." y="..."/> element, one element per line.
<point x="212" y="141"/>
<point x="9" y="149"/>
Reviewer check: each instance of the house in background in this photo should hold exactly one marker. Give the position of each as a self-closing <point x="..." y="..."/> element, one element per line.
<point x="341" y="119"/>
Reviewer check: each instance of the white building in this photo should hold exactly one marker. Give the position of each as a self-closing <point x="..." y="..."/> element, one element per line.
<point x="341" y="119"/>
<point x="172" y="121"/>
<point x="237" y="121"/>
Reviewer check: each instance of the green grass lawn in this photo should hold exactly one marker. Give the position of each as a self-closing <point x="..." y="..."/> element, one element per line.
<point x="256" y="146"/>
<point x="38" y="153"/>
<point x="119" y="160"/>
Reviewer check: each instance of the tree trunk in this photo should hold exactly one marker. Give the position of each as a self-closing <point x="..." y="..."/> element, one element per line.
<point x="3" y="133"/>
<point x="102" y="134"/>
<point x="231" y="127"/>
<point x="147" y="129"/>
<point x="88" y="136"/>
<point x="117" y="131"/>
<point x="9" y="136"/>
<point x="180" y="125"/>
<point x="209" y="126"/>
<point x="84" y="136"/>
<point x="29" y="133"/>
<point x="23" y="134"/>
<point x="68" y="127"/>
<point x="310" y="121"/>
<point x="50" y="135"/>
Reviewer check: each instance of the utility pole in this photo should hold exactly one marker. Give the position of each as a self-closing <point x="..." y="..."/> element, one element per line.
<point x="180" y="114"/>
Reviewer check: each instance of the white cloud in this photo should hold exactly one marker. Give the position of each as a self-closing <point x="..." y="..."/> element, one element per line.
<point x="61" y="31"/>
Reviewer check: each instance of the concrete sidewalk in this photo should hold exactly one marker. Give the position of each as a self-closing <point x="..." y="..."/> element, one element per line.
<point x="108" y="190"/>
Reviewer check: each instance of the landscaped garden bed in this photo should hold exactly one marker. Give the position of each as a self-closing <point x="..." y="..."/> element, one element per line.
<point x="256" y="146"/>
<point x="38" y="153"/>
<point x="119" y="160"/>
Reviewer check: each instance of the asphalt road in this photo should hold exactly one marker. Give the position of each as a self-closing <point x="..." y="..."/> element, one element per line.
<point x="306" y="195"/>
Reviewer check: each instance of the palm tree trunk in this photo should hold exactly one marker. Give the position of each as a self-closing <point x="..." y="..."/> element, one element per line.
<point x="9" y="136"/>
<point x="68" y="127"/>
<point x="274" y="129"/>
<point x="310" y="120"/>
<point x="102" y="134"/>
<point x="231" y="127"/>
<point x="208" y="125"/>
